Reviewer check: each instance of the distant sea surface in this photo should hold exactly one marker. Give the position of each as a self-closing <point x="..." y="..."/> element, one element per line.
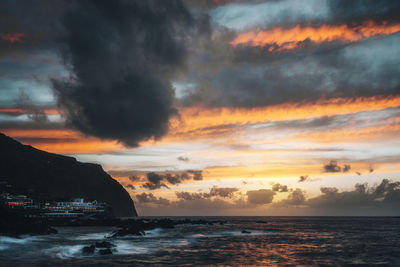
<point x="267" y="241"/>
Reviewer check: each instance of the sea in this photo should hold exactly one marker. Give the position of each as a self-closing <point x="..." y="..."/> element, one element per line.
<point x="241" y="241"/>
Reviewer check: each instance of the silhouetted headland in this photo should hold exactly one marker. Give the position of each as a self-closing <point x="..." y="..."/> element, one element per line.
<point x="49" y="176"/>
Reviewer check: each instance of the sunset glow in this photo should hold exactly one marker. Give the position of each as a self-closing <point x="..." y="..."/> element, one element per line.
<point x="281" y="39"/>
<point x="199" y="107"/>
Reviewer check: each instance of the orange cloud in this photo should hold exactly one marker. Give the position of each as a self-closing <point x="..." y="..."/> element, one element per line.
<point x="63" y="141"/>
<point x="389" y="131"/>
<point x="257" y="171"/>
<point x="202" y="121"/>
<point x="280" y="39"/>
<point x="292" y="169"/>
<point x="20" y="111"/>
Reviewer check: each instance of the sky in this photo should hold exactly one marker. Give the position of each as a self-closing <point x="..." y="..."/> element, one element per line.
<point x="214" y="107"/>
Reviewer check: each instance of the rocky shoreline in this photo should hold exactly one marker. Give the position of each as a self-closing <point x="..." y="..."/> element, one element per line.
<point x="15" y="225"/>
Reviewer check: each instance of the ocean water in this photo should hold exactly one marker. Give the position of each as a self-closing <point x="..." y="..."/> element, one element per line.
<point x="272" y="241"/>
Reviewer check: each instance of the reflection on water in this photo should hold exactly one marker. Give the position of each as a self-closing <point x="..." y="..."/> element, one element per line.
<point x="263" y="241"/>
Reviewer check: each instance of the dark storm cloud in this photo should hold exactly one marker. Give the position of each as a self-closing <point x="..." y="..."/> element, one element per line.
<point x="157" y="180"/>
<point x="123" y="55"/>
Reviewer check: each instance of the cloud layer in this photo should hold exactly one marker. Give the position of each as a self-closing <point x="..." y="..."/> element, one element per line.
<point x="122" y="55"/>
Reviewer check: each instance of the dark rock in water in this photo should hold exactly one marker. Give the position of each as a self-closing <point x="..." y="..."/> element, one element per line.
<point x="58" y="176"/>
<point x="106" y="251"/>
<point x="137" y="227"/>
<point x="127" y="231"/>
<point x="89" y="250"/>
<point x="104" y="248"/>
<point x="104" y="244"/>
<point x="246" y="232"/>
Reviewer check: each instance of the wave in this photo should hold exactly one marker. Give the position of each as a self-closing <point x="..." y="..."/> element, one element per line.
<point x="64" y="252"/>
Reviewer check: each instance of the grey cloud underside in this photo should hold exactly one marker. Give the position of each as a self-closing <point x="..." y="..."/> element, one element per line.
<point x="351" y="11"/>
<point x="123" y="55"/>
<point x="244" y="15"/>
<point x="249" y="77"/>
<point x="223" y="192"/>
<point x="253" y="76"/>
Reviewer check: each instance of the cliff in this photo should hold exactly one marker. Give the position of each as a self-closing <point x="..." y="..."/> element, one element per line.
<point x="59" y="176"/>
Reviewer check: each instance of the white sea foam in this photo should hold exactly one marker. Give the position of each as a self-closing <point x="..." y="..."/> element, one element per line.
<point x="7" y="242"/>
<point x="91" y="236"/>
<point x="65" y="252"/>
<point x="128" y="248"/>
<point x="12" y="240"/>
<point x="154" y="232"/>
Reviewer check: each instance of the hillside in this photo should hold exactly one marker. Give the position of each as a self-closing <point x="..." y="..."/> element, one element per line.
<point x="59" y="176"/>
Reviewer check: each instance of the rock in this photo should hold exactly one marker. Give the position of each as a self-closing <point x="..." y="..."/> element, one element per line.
<point x="106" y="251"/>
<point x="89" y="250"/>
